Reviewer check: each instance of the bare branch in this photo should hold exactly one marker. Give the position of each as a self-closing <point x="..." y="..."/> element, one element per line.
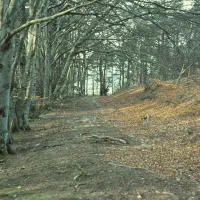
<point x="44" y="19"/>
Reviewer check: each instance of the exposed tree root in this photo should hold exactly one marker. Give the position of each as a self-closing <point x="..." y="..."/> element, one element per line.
<point x="108" y="138"/>
<point x="53" y="145"/>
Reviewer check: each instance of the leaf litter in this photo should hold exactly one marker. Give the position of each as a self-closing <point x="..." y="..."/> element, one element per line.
<point x="105" y="148"/>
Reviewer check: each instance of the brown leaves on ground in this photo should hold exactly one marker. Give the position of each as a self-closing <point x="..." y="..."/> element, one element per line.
<point x="171" y="136"/>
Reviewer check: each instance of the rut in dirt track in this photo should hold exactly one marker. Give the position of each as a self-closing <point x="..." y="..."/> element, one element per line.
<point x="66" y="154"/>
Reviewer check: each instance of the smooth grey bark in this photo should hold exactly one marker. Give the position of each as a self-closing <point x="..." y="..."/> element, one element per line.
<point x="47" y="69"/>
<point x="6" y="53"/>
<point x="47" y="62"/>
<point x="26" y="92"/>
<point x="13" y="120"/>
<point x="7" y="19"/>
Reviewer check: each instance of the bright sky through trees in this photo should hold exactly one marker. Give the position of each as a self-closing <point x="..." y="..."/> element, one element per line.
<point x="188" y="4"/>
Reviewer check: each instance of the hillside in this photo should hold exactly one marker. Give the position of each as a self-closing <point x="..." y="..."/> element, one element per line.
<point x="171" y="135"/>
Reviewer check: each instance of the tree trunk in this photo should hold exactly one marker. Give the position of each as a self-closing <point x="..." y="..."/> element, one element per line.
<point x="122" y="75"/>
<point x="27" y="90"/>
<point x="6" y="55"/>
<point x="93" y="82"/>
<point x="101" y="76"/>
<point x="7" y="21"/>
<point x="62" y="78"/>
<point x="83" y="74"/>
<point x="47" y="65"/>
<point x="128" y="73"/>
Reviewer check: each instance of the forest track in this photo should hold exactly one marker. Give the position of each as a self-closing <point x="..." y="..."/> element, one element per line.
<point x="65" y="157"/>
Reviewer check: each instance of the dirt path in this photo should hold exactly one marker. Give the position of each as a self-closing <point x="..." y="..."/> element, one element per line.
<point x="64" y="157"/>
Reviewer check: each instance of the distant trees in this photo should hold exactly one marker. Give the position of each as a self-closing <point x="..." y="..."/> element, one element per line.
<point x="54" y="49"/>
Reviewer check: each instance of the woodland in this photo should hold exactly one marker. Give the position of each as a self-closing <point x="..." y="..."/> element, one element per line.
<point x="116" y="61"/>
<point x="48" y="49"/>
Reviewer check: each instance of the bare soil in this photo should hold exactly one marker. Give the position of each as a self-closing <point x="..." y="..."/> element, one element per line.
<point x="81" y="150"/>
